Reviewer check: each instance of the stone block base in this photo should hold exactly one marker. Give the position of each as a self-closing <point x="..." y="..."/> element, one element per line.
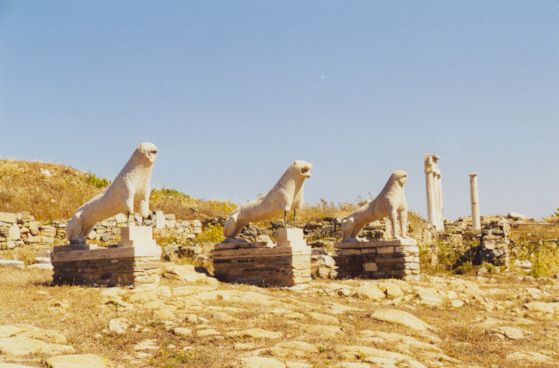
<point x="118" y="266"/>
<point x="134" y="262"/>
<point x="258" y="264"/>
<point x="378" y="259"/>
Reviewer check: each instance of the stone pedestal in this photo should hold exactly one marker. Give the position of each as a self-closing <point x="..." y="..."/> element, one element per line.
<point x="286" y="264"/>
<point x="378" y="259"/>
<point x="135" y="260"/>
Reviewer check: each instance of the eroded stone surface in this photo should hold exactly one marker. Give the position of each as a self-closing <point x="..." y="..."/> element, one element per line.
<point x="78" y="360"/>
<point x="402" y="318"/>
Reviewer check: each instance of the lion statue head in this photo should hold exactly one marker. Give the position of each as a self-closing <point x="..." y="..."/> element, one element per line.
<point x="148" y="150"/>
<point x="399" y="176"/>
<point x="301" y="168"/>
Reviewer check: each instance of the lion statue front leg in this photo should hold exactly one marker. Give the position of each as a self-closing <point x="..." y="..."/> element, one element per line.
<point x="393" y="214"/>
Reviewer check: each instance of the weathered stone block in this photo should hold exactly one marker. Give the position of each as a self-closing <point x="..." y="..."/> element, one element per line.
<point x="83" y="264"/>
<point x="378" y="259"/>
<point x="259" y="264"/>
<point x="7" y="217"/>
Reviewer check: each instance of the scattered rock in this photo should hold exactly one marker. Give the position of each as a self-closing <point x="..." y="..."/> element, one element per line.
<point x="205" y="332"/>
<point x="324" y="331"/>
<point x="324" y="318"/>
<point x="185" y="273"/>
<point x="511" y="333"/>
<point x="118" y="326"/>
<point x="382" y="337"/>
<point x="78" y="360"/>
<point x="146" y="345"/>
<point x="542" y="307"/>
<point x="20" y="346"/>
<point x="428" y="296"/>
<point x="531" y="357"/>
<point x="261" y="362"/>
<point x="391" y="289"/>
<point x="290" y="364"/>
<point x="401" y="318"/>
<point x="353" y="365"/>
<point x="12" y="263"/>
<point x="369" y="291"/>
<point x="182" y="331"/>
<point x="377" y="356"/>
<point x="256" y="333"/>
<point x="294" y="347"/>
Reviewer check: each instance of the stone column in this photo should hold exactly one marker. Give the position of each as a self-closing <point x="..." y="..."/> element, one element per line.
<point x="474" y="197"/>
<point x="430" y="189"/>
<point x="434" y="192"/>
<point x="440" y="215"/>
<point x="436" y="202"/>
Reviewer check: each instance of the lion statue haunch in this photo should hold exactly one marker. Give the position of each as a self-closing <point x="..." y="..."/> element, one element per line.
<point x="285" y="196"/>
<point x="390" y="202"/>
<point x="130" y="190"/>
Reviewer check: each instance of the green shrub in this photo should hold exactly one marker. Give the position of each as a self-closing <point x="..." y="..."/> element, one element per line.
<point x="211" y="234"/>
<point x="96" y="181"/>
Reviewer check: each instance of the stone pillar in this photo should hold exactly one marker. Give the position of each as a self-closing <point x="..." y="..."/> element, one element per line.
<point x="430" y="189"/>
<point x="437" y="203"/>
<point x="434" y="192"/>
<point x="474" y="197"/>
<point x="440" y="215"/>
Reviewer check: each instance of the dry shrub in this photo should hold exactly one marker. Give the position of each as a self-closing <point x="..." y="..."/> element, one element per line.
<point x="316" y="212"/>
<point x="186" y="207"/>
<point x="538" y="243"/>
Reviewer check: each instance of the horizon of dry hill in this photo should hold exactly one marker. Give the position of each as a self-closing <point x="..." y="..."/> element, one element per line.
<point x="54" y="191"/>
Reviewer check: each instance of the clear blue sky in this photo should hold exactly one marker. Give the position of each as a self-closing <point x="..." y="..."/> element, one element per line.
<point x="233" y="91"/>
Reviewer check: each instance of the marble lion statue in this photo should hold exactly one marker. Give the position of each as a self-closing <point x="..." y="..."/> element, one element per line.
<point x="285" y="196"/>
<point x="130" y="190"/>
<point x="390" y="202"/>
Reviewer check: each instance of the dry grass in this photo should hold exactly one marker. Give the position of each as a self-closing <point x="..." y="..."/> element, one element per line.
<point x="48" y="191"/>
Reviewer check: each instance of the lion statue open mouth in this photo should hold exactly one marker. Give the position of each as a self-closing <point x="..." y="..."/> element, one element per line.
<point x="130" y="190"/>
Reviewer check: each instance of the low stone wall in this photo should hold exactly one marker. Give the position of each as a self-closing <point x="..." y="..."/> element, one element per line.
<point x="19" y="229"/>
<point x="493" y="248"/>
